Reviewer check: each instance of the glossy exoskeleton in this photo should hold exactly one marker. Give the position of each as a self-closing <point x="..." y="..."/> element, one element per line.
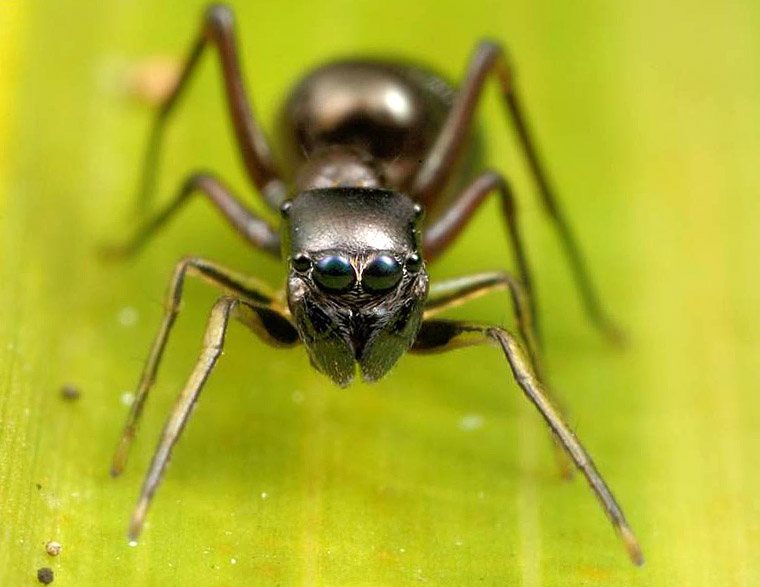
<point x="371" y="144"/>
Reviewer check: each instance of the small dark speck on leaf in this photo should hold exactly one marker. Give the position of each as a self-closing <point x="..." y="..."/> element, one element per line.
<point x="45" y="575"/>
<point x="38" y="486"/>
<point x="70" y="393"/>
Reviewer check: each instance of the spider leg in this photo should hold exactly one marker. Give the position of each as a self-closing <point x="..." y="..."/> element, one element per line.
<point x="489" y="58"/>
<point x="439" y="235"/>
<point x="244" y="287"/>
<point x="269" y="324"/>
<point x="218" y="29"/>
<point x="444" y="335"/>
<point x="249" y="225"/>
<point x="454" y="292"/>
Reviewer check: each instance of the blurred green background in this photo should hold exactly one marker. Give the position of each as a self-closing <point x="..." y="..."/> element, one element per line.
<point x="648" y="115"/>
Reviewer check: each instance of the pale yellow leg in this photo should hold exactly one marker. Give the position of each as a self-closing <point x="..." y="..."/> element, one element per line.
<point x="454" y="292"/>
<point x="443" y="335"/>
<point x="244" y="287"/>
<point x="213" y="340"/>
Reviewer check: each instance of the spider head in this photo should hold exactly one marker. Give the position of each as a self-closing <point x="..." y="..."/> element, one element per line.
<point x="356" y="283"/>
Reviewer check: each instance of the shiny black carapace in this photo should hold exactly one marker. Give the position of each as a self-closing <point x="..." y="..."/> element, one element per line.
<point x="369" y="144"/>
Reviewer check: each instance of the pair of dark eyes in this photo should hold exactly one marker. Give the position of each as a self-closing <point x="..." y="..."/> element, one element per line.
<point x="336" y="274"/>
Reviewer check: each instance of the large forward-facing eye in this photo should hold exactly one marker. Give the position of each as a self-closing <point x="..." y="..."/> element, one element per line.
<point x="334" y="274"/>
<point x="381" y="274"/>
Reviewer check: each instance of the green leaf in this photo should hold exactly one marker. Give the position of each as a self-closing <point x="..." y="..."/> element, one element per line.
<point x="442" y="473"/>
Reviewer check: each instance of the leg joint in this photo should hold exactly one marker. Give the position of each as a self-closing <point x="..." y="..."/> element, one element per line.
<point x="490" y="52"/>
<point x="174" y="293"/>
<point x="185" y="262"/>
<point x="218" y="20"/>
<point x="196" y="180"/>
<point x="217" y="325"/>
<point x="490" y="48"/>
<point x="494" y="180"/>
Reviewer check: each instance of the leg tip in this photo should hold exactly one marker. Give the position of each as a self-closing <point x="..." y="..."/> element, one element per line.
<point x="120" y="457"/>
<point x="138" y="518"/>
<point x="632" y="546"/>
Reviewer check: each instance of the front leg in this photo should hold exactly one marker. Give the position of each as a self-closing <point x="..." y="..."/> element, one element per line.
<point x="437" y="336"/>
<point x="271" y="326"/>
<point x="243" y="287"/>
<point x="454" y="292"/>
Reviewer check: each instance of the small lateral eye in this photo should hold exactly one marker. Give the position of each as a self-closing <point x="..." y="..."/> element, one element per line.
<point x="381" y="274"/>
<point x="413" y="263"/>
<point x="334" y="274"/>
<point x="301" y="262"/>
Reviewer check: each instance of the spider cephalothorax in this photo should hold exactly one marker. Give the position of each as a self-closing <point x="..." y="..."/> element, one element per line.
<point x="357" y="296"/>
